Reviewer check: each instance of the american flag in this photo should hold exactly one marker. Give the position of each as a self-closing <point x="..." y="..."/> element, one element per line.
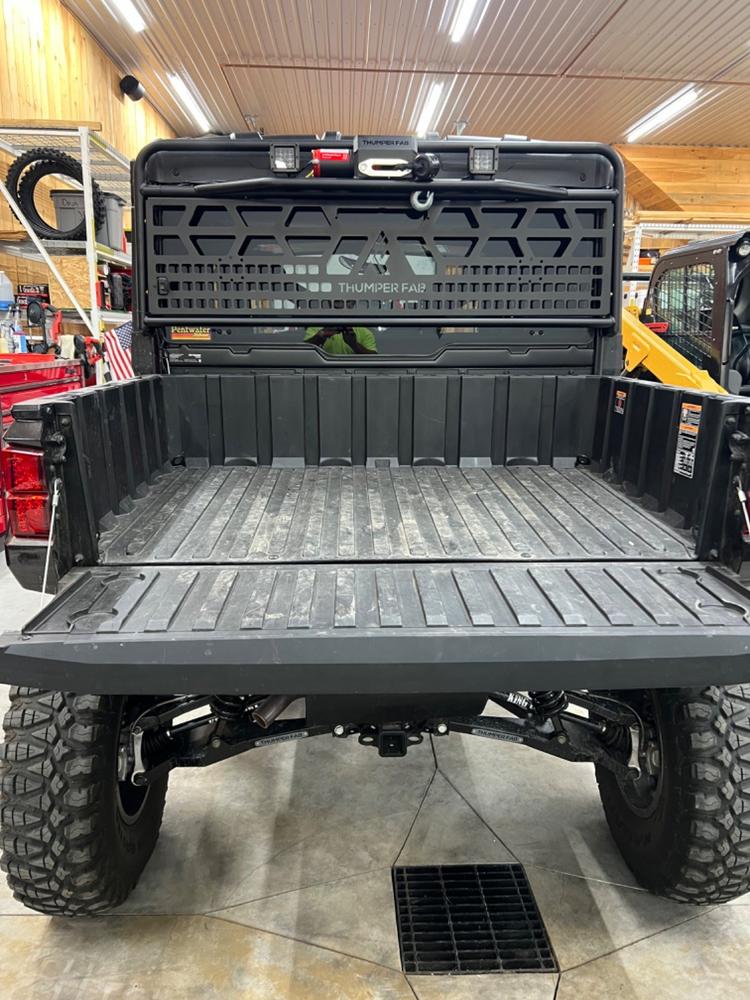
<point x="118" y="343"/>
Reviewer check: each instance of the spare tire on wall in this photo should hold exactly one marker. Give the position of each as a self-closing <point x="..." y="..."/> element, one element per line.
<point x="27" y="170"/>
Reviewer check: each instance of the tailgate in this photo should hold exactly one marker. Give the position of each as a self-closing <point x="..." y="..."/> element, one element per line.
<point x="386" y="628"/>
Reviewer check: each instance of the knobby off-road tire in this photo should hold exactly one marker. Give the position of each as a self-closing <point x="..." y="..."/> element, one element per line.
<point x="28" y="169"/>
<point x="74" y="839"/>
<point x="690" y="840"/>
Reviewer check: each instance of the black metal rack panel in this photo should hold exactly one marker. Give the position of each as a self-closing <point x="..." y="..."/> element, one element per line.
<point x="375" y="255"/>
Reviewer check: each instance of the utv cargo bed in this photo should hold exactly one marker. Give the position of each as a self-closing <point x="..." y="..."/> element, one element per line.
<point x="510" y="560"/>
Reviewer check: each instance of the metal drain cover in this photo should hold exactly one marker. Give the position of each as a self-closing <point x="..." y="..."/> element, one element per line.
<point x="457" y="919"/>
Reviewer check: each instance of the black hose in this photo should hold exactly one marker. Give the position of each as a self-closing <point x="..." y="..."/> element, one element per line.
<point x="271" y="708"/>
<point x="28" y="169"/>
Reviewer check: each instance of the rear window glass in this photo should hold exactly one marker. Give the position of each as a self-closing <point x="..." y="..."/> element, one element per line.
<point x="374" y="341"/>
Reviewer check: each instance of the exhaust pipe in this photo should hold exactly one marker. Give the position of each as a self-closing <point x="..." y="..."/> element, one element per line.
<point x="271" y="708"/>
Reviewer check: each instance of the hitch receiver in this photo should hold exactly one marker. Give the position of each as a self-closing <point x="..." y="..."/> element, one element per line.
<point x="392" y="741"/>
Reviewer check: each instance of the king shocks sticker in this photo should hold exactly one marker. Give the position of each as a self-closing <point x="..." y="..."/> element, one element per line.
<point x="687" y="439"/>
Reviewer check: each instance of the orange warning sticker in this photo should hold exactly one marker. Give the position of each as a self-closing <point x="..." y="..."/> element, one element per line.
<point x="687" y="439"/>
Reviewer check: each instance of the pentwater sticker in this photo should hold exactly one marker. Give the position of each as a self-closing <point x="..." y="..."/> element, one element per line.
<point x="687" y="439"/>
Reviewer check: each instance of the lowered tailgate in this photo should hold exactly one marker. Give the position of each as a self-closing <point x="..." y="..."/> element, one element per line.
<point x="388" y="627"/>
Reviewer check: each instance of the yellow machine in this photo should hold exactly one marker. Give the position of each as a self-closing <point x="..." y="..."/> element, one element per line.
<point x="644" y="348"/>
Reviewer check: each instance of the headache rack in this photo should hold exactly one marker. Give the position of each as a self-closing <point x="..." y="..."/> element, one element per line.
<point x="294" y="255"/>
<point x="232" y="243"/>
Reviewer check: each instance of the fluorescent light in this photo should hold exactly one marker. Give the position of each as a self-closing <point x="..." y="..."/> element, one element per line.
<point x="664" y="113"/>
<point x="130" y="14"/>
<point x="430" y="107"/>
<point x="461" y="19"/>
<point x="188" y="102"/>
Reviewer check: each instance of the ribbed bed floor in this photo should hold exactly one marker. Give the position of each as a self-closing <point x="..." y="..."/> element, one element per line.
<point x="260" y="515"/>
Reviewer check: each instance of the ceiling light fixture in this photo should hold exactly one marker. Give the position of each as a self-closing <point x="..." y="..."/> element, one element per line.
<point x="462" y="18"/>
<point x="427" y="115"/>
<point x="130" y="14"/>
<point x="664" y="113"/>
<point x="188" y="102"/>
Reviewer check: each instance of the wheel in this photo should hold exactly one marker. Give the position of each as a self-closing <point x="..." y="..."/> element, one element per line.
<point x="74" y="838"/>
<point x="683" y="826"/>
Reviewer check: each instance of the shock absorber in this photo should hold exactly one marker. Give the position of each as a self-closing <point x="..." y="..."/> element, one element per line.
<point x="228" y="707"/>
<point x="548" y="704"/>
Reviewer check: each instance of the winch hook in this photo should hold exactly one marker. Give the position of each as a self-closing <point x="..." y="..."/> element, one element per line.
<point x="417" y="202"/>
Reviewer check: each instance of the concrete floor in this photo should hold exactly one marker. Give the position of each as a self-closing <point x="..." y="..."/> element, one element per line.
<point x="271" y="880"/>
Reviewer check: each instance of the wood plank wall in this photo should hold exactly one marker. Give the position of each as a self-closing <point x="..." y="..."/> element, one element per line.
<point x="710" y="182"/>
<point x="52" y="68"/>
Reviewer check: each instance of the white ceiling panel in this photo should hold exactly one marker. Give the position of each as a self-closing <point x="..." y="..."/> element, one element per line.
<point x="572" y="69"/>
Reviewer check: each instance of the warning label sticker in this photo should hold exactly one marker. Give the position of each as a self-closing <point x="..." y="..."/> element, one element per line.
<point x="620" y="397"/>
<point x="687" y="439"/>
<point x="190" y="333"/>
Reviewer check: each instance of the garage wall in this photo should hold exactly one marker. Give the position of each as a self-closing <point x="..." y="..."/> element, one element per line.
<point x="51" y="68"/>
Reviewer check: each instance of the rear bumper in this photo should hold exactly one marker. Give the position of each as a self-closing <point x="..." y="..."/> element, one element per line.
<point x="366" y="663"/>
<point x="385" y="629"/>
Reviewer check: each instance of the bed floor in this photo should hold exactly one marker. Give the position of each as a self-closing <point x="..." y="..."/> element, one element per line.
<point x="260" y="514"/>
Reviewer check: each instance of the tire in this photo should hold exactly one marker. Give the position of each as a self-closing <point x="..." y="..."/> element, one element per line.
<point x="24" y="174"/>
<point x="689" y="839"/>
<point x="74" y="839"/>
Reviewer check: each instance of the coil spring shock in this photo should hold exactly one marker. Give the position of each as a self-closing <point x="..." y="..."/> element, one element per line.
<point x="548" y="703"/>
<point x="228" y="707"/>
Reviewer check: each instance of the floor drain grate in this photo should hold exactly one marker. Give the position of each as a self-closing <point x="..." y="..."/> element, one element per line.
<point x="469" y="918"/>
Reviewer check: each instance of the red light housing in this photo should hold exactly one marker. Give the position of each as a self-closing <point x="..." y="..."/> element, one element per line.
<point x="29" y="515"/>
<point x="26" y="496"/>
<point x="23" y="471"/>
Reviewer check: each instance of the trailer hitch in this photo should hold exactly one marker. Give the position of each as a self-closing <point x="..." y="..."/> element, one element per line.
<point x="392" y="739"/>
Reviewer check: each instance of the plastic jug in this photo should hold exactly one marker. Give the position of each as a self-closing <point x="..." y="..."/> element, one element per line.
<point x="6" y="291"/>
